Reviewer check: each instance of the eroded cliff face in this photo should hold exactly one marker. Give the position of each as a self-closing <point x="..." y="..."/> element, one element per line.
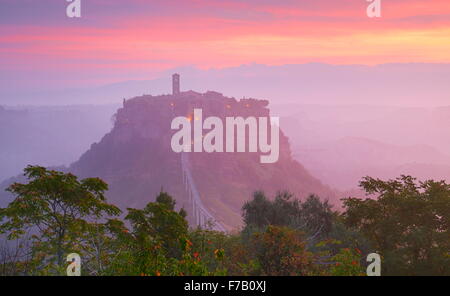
<point x="137" y="161"/>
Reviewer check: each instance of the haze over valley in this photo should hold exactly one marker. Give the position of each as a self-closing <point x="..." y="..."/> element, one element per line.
<point x="339" y="132"/>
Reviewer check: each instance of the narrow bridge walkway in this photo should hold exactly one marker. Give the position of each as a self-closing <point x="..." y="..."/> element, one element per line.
<point x="202" y="217"/>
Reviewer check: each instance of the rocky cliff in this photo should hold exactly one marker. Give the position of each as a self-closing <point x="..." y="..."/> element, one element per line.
<point x="137" y="161"/>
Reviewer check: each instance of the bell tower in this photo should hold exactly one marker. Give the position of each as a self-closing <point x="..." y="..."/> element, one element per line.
<point x="175" y="84"/>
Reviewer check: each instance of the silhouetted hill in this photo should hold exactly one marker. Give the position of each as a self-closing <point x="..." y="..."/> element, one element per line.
<point x="136" y="158"/>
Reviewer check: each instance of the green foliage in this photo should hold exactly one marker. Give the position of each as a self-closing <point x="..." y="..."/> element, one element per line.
<point x="347" y="263"/>
<point x="55" y="214"/>
<point x="313" y="216"/>
<point x="55" y="208"/>
<point x="343" y="237"/>
<point x="408" y="224"/>
<point x="211" y="245"/>
<point x="167" y="200"/>
<point x="281" y="251"/>
<point x="159" y="243"/>
<point x="159" y="223"/>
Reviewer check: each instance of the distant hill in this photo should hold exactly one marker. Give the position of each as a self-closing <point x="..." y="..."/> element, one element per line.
<point x="344" y="162"/>
<point x="49" y="135"/>
<point x="136" y="159"/>
<point x="339" y="144"/>
<point x="406" y="84"/>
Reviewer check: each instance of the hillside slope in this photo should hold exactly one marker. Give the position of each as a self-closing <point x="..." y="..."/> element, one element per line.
<point x="136" y="158"/>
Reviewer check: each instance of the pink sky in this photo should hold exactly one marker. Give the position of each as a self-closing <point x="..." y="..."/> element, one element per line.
<point x="115" y="40"/>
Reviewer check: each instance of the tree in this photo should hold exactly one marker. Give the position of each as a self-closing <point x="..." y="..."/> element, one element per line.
<point x="14" y="257"/>
<point x="258" y="211"/>
<point x="312" y="216"/>
<point x="165" y="199"/>
<point x="56" y="208"/>
<point x="281" y="251"/>
<point x="316" y="218"/>
<point x="160" y="221"/>
<point x="100" y="244"/>
<point x="408" y="224"/>
<point x="157" y="237"/>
